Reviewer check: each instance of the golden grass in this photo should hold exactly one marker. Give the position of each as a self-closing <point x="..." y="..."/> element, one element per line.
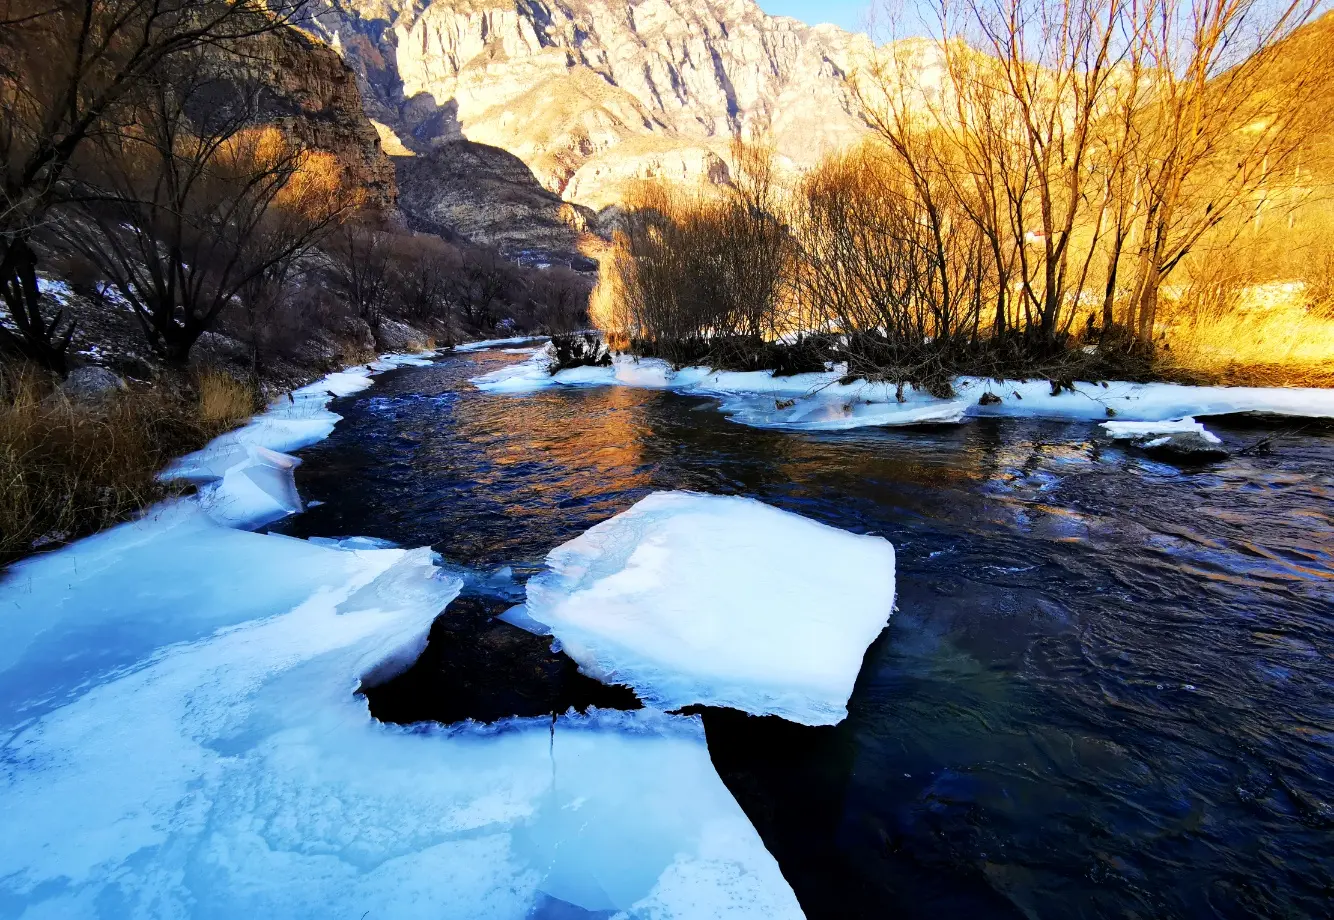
<point x="1281" y="344"/>
<point x="67" y="470"/>
<point x="224" y="401"/>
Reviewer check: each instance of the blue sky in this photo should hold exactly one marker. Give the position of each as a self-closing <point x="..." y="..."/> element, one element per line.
<point x="850" y="14"/>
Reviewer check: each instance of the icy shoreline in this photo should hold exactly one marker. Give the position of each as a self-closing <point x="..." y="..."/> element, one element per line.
<point x="819" y="402"/>
<point x="182" y="738"/>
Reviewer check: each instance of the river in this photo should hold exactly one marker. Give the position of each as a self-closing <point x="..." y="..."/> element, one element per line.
<point x="1107" y="689"/>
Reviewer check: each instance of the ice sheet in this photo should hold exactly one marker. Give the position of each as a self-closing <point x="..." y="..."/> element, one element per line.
<point x="1135" y="431"/>
<point x="721" y="601"/>
<point x="181" y="739"/>
<point x="485" y="344"/>
<point x="819" y="402"/>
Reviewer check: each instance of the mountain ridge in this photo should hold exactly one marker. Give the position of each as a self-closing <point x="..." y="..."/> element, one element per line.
<point x="565" y="84"/>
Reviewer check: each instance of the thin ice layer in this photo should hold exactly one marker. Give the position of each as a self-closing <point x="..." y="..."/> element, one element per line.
<point x="820" y="402"/>
<point x="720" y="601"/>
<point x="181" y="739"/>
<point x="486" y="344"/>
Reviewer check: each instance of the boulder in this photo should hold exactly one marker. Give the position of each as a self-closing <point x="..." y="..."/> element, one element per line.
<point x="91" y="385"/>
<point x="1187" y="446"/>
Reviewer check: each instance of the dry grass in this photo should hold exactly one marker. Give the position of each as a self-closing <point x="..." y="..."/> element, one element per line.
<point x="1266" y="335"/>
<point x="67" y="470"/>
<point x="224" y="401"/>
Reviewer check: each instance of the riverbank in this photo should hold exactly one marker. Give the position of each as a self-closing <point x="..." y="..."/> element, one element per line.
<point x="828" y="401"/>
<point x="81" y="455"/>
<point x="214" y="672"/>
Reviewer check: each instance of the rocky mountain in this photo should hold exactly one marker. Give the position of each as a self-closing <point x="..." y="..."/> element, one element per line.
<point x="486" y="195"/>
<point x="314" y="98"/>
<point x="592" y="93"/>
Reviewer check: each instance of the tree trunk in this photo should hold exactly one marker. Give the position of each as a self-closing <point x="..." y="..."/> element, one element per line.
<point x="176" y="347"/>
<point x="41" y="342"/>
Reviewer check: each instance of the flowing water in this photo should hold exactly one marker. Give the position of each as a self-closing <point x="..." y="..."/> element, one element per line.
<point x="1107" y="689"/>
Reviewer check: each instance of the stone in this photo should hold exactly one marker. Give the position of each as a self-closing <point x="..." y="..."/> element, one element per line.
<point x="1187" y="446"/>
<point x="91" y="385"/>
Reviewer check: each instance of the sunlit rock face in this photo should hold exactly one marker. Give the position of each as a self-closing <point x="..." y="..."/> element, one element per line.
<point x="593" y="93"/>
<point x="313" y="98"/>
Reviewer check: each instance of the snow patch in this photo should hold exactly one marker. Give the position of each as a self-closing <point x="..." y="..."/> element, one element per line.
<point x="820" y="402"/>
<point x="720" y="601"/>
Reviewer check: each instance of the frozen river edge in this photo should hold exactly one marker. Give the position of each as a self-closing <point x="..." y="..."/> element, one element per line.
<point x="183" y="739"/>
<point x="820" y="402"/>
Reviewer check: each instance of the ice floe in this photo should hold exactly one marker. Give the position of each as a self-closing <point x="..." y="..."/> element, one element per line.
<point x="721" y="601"/>
<point x="181" y="739"/>
<point x="245" y="476"/>
<point x="1138" y="431"/>
<point x="821" y="402"/>
<point x="180" y="736"/>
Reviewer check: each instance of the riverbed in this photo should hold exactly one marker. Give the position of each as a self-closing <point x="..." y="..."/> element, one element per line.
<point x="1107" y="688"/>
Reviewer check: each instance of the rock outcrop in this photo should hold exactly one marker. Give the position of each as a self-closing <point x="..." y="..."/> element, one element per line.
<point x="593" y="93"/>
<point x="460" y="189"/>
<point x="312" y="96"/>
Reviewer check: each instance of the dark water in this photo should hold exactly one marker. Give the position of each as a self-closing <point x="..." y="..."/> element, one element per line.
<point x="1107" y="691"/>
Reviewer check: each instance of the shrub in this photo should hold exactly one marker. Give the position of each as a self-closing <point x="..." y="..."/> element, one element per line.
<point x="224" y="401"/>
<point x="585" y="350"/>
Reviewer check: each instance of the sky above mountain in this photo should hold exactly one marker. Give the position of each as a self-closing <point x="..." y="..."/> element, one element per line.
<point x="848" y="14"/>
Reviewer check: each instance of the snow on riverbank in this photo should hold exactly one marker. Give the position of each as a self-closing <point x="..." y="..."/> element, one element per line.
<point x="245" y="477"/>
<point x="719" y="601"/>
<point x="819" y="402"/>
<point x="181" y="737"/>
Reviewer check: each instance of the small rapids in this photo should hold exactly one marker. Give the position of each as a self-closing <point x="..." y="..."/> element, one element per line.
<point x="1107" y="689"/>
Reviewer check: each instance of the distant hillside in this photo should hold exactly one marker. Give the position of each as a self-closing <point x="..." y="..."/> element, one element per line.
<point x="591" y="93"/>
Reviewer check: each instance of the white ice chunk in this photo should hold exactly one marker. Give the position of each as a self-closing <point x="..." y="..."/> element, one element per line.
<point x="821" y="402"/>
<point x="180" y="738"/>
<point x="722" y="601"/>
<point x="1136" y="431"/>
<point x="518" y="616"/>
<point x="486" y="344"/>
<point x="245" y="476"/>
<point x="393" y="361"/>
<point x="524" y="377"/>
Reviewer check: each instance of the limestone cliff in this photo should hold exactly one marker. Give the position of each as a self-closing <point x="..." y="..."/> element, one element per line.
<point x="589" y="93"/>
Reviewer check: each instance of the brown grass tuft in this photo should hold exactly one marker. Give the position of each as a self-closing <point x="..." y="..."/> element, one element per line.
<point x="224" y="401"/>
<point x="68" y="470"/>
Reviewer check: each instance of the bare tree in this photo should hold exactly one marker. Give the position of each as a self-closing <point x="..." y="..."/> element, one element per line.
<point x="485" y="281"/>
<point x="64" y="66"/>
<point x="362" y="266"/>
<point x="192" y="208"/>
<point x="1221" y="116"/>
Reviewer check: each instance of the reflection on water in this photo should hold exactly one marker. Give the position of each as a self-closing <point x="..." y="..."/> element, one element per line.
<point x="1108" y="689"/>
